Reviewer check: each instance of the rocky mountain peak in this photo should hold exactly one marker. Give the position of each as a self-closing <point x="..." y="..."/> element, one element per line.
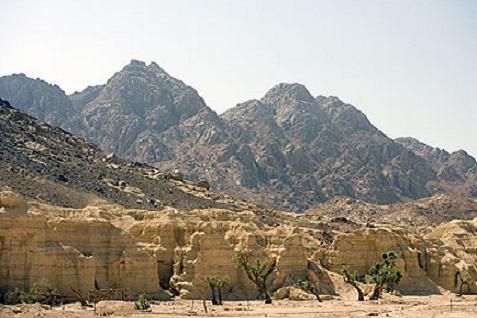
<point x="43" y="100"/>
<point x="142" y="67"/>
<point x="462" y="159"/>
<point x="286" y="93"/>
<point x="137" y="63"/>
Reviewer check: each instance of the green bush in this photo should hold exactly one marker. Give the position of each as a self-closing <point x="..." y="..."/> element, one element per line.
<point x="142" y="303"/>
<point x="385" y="274"/>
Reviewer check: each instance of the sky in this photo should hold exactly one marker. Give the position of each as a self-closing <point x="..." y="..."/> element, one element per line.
<point x="410" y="66"/>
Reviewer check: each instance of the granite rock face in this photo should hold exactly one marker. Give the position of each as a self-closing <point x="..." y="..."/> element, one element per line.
<point x="456" y="171"/>
<point x="37" y="98"/>
<point x="287" y="150"/>
<point x="309" y="150"/>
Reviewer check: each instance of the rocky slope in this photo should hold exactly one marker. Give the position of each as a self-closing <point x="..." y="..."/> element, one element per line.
<point x="435" y="210"/>
<point x="53" y="166"/>
<point x="287" y="150"/>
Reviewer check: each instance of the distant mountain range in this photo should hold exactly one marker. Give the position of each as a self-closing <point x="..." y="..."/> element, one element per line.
<point x="287" y="150"/>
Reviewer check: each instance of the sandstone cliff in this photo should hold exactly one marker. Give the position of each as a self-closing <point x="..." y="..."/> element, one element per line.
<point x="171" y="251"/>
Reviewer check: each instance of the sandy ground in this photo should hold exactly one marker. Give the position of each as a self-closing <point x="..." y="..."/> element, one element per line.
<point x="422" y="307"/>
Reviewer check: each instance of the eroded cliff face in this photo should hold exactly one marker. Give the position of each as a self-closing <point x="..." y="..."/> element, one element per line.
<point x="429" y="264"/>
<point x="108" y="246"/>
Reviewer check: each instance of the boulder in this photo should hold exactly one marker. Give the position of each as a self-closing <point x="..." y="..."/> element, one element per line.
<point x="116" y="308"/>
<point x="299" y="294"/>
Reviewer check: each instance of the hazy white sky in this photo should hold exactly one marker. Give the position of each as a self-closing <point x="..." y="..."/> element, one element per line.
<point x="411" y="66"/>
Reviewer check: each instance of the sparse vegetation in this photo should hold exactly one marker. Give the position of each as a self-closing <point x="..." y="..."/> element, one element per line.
<point x="353" y="281"/>
<point x="308" y="286"/>
<point x="41" y="293"/>
<point x="217" y="287"/>
<point x="257" y="271"/>
<point x="385" y="274"/>
<point x="142" y="303"/>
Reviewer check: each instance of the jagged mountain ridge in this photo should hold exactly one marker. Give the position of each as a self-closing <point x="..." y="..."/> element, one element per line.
<point x="288" y="149"/>
<point x="38" y="98"/>
<point x="456" y="171"/>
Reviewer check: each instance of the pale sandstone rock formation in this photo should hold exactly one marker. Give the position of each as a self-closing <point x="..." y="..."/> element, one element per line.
<point x="429" y="264"/>
<point x="171" y="251"/>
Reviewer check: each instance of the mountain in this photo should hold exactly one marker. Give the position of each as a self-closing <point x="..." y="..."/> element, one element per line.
<point x="38" y="98"/>
<point x="311" y="149"/>
<point x="287" y="150"/>
<point x="456" y="172"/>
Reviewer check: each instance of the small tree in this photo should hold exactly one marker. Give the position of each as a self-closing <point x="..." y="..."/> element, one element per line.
<point x="142" y="303"/>
<point x="257" y="272"/>
<point x="353" y="281"/>
<point x="460" y="282"/>
<point x="308" y="286"/>
<point x="384" y="274"/>
<point x="217" y="286"/>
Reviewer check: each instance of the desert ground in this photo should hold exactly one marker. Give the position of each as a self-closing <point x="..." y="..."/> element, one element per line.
<point x="445" y="306"/>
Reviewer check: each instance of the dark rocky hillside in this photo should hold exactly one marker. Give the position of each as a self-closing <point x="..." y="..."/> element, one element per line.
<point x="53" y="166"/>
<point x="287" y="150"/>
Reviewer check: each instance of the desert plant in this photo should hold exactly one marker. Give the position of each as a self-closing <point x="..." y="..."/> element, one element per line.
<point x="308" y="286"/>
<point x="216" y="285"/>
<point x="353" y="281"/>
<point x="40" y="292"/>
<point x="385" y="274"/>
<point x="142" y="303"/>
<point x="257" y="271"/>
<point x="460" y="282"/>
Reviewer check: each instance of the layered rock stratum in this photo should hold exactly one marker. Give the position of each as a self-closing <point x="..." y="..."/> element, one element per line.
<point x="287" y="150"/>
